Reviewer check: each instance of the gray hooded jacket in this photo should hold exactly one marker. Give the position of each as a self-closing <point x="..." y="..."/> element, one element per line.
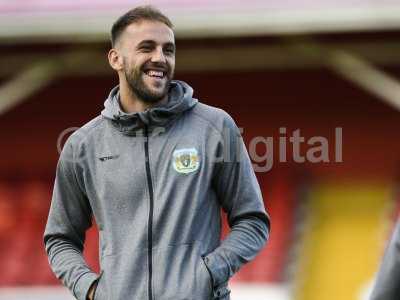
<point x="155" y="181"/>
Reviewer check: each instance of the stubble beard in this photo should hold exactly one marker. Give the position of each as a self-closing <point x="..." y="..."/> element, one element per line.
<point x="139" y="88"/>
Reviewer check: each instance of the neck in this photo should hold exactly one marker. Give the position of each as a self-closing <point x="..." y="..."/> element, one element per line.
<point x="130" y="103"/>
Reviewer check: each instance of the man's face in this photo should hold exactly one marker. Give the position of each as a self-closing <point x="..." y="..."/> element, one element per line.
<point x="148" y="52"/>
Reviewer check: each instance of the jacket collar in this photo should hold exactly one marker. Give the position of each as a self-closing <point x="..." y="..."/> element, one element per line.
<point x="179" y="100"/>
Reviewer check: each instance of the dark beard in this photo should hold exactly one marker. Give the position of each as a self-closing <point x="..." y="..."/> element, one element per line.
<point x="138" y="87"/>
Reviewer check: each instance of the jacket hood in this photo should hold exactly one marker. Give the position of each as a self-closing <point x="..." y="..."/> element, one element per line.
<point x="179" y="100"/>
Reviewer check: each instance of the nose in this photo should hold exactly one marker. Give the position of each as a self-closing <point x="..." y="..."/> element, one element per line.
<point x="158" y="55"/>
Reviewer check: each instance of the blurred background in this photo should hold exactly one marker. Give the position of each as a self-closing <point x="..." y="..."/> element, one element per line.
<point x="309" y="65"/>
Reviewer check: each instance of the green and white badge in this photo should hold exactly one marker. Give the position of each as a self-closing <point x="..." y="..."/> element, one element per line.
<point x="186" y="160"/>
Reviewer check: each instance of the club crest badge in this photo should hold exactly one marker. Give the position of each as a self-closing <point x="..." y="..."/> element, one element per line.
<point x="185" y="160"/>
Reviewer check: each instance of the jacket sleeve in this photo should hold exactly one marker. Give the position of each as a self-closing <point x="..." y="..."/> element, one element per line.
<point x="387" y="284"/>
<point x="69" y="218"/>
<point x="239" y="194"/>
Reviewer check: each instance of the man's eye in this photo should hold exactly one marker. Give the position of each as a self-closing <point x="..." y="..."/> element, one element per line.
<point x="145" y="49"/>
<point x="169" y="51"/>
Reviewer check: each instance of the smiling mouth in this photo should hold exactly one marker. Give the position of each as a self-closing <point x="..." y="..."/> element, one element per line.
<point x="156" y="74"/>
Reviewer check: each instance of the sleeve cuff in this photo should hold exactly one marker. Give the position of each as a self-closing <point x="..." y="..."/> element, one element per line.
<point x="83" y="284"/>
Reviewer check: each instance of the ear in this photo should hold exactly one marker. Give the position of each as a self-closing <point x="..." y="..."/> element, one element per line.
<point x="115" y="59"/>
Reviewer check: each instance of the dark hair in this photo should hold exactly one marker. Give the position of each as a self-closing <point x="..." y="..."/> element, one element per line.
<point x="137" y="14"/>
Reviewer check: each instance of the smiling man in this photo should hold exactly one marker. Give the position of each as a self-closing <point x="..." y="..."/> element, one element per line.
<point x="154" y="169"/>
<point x="143" y="54"/>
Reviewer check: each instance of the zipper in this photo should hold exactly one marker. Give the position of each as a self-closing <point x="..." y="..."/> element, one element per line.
<point x="150" y="222"/>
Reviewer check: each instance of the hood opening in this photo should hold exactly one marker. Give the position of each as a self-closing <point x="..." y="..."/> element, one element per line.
<point x="180" y="99"/>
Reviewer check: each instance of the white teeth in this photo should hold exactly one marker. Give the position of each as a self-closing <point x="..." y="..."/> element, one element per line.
<point x="155" y="73"/>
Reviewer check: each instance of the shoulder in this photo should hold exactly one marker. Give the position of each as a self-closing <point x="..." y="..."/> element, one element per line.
<point x="83" y="135"/>
<point x="216" y="117"/>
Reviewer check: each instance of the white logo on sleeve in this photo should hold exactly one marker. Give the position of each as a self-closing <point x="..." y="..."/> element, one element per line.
<point x="185" y="160"/>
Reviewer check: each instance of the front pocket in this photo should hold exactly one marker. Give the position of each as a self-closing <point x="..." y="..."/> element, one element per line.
<point x="207" y="276"/>
<point x="180" y="274"/>
<point x="98" y="292"/>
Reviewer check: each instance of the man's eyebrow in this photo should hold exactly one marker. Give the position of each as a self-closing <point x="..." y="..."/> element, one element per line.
<point x="146" y="42"/>
<point x="151" y="42"/>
